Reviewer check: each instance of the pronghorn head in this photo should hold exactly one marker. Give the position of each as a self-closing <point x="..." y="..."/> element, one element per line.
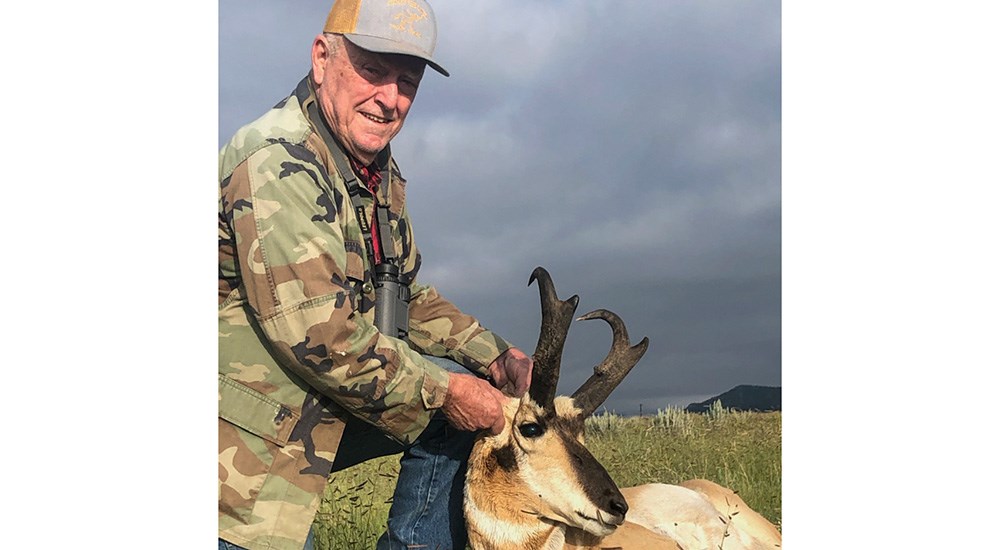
<point x="537" y="472"/>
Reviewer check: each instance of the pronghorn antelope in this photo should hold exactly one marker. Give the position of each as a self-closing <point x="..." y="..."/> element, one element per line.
<point x="536" y="486"/>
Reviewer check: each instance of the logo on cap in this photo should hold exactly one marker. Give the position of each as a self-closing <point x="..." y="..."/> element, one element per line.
<point x="407" y="17"/>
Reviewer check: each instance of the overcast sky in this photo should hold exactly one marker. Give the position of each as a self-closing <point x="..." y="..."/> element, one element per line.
<point x="631" y="148"/>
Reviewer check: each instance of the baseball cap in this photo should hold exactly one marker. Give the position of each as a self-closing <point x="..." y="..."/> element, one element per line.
<point x="387" y="26"/>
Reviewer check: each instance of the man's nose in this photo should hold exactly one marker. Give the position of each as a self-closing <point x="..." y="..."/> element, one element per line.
<point x="387" y="96"/>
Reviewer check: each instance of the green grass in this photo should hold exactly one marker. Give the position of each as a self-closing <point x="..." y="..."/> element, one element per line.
<point x="356" y="503"/>
<point x="739" y="450"/>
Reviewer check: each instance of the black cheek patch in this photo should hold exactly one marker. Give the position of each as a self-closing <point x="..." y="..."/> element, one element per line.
<point x="505" y="459"/>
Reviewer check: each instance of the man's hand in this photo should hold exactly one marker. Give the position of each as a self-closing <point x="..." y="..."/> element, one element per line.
<point x="511" y="372"/>
<point x="472" y="404"/>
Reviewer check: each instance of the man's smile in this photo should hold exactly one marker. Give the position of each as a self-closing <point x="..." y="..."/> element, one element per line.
<point x="376" y="119"/>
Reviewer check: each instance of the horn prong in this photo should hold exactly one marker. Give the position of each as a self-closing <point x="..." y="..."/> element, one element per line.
<point x="616" y="365"/>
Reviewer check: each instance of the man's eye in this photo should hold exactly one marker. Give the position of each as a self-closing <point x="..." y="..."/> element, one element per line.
<point x="407" y="86"/>
<point x="530" y="430"/>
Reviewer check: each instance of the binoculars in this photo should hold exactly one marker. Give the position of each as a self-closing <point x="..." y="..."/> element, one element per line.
<point x="392" y="302"/>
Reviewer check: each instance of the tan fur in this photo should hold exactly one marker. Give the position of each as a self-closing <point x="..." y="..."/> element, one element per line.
<point x="629" y="535"/>
<point x="677" y="512"/>
<point x="748" y="520"/>
<point x="700" y="514"/>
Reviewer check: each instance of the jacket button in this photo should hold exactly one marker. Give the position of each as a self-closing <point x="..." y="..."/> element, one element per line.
<point x="367" y="287"/>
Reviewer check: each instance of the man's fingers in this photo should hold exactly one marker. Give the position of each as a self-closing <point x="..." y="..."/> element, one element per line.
<point x="522" y="385"/>
<point x="472" y="404"/>
<point x="525" y="366"/>
<point x="511" y="372"/>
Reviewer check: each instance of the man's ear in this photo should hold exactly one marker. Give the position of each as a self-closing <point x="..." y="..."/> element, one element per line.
<point x="320" y="57"/>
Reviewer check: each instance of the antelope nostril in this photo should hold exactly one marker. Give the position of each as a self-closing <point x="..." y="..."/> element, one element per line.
<point x="618" y="505"/>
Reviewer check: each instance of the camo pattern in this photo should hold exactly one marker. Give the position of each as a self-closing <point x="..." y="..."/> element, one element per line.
<point x="298" y="349"/>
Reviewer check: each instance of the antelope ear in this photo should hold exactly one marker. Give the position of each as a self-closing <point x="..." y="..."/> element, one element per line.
<point x="527" y="406"/>
<point x="567" y="407"/>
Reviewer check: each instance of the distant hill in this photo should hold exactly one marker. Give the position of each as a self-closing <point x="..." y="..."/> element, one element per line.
<point x="744" y="398"/>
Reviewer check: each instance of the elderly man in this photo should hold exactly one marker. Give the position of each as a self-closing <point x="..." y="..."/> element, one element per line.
<point x="330" y="352"/>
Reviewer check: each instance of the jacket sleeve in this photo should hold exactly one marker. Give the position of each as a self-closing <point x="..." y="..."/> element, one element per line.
<point x="439" y="328"/>
<point x="292" y="257"/>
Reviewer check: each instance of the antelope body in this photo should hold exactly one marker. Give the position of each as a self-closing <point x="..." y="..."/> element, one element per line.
<point x="535" y="485"/>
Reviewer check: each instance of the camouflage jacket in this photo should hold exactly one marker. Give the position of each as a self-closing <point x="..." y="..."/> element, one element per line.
<point x="298" y="349"/>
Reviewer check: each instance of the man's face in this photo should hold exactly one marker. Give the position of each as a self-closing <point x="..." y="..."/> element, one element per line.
<point x="365" y="96"/>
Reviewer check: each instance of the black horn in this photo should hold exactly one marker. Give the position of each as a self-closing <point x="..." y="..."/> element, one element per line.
<point x="613" y="369"/>
<point x="556" y="317"/>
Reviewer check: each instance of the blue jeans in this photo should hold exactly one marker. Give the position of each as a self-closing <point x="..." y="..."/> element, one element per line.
<point x="426" y="511"/>
<point x="226" y="545"/>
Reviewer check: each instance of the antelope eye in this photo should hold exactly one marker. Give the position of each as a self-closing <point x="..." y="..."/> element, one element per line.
<point x="530" y="430"/>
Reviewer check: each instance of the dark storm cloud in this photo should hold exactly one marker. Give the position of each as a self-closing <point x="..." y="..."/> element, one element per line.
<point x="632" y="148"/>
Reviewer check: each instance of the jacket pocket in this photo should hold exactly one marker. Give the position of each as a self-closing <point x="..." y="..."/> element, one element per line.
<point x="255" y="412"/>
<point x="355" y="268"/>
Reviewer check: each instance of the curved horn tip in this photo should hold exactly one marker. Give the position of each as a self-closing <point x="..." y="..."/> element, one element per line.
<point x="537" y="273"/>
<point x="596" y="314"/>
<point x="643" y="345"/>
